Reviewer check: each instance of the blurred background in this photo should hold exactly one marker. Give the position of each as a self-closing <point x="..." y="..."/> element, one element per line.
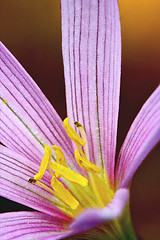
<point x="30" y="29"/>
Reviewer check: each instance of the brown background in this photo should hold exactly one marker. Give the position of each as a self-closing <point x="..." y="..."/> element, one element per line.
<point x="31" y="31"/>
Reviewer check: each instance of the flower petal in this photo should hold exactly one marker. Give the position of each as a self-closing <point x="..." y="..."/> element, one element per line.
<point x="143" y="135"/>
<point x="93" y="217"/>
<point x="15" y="172"/>
<point x="91" y="44"/>
<point x="28" y="120"/>
<point x="31" y="225"/>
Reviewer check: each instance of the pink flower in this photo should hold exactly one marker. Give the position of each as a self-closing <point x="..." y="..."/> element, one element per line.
<point x="76" y="188"/>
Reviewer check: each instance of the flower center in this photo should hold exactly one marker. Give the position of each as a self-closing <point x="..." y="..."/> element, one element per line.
<point x="73" y="190"/>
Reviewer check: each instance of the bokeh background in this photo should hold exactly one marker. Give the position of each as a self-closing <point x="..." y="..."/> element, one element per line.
<point x="31" y="31"/>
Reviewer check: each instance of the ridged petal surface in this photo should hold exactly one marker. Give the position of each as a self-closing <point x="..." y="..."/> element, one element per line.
<point x="15" y="171"/>
<point x="91" y="44"/>
<point x="28" y="121"/>
<point x="31" y="225"/>
<point x="142" y="136"/>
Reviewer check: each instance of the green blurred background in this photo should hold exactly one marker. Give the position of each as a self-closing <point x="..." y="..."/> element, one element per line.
<point x="31" y="31"/>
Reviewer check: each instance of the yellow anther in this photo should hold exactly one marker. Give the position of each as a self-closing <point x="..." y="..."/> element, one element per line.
<point x="72" y="133"/>
<point x="63" y="194"/>
<point x="85" y="164"/>
<point x="68" y="174"/>
<point x="45" y="163"/>
<point x="60" y="158"/>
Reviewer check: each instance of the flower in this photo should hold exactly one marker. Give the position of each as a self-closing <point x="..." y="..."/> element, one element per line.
<point x="75" y="188"/>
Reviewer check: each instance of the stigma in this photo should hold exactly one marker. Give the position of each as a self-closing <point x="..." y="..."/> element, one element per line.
<point x="75" y="191"/>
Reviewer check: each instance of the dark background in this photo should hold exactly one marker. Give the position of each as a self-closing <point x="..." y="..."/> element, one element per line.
<point x="31" y="31"/>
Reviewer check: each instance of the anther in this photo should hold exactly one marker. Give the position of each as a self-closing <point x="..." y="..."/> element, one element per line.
<point x="72" y="133"/>
<point x="45" y="163"/>
<point x="32" y="180"/>
<point x="68" y="174"/>
<point x="77" y="124"/>
<point x="63" y="194"/>
<point x="60" y="158"/>
<point x="85" y="164"/>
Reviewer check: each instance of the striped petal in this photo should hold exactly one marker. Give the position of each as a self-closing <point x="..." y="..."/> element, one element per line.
<point x="91" y="44"/>
<point x="143" y="135"/>
<point x="15" y="172"/>
<point x="28" y="121"/>
<point x="91" y="218"/>
<point x="31" y="225"/>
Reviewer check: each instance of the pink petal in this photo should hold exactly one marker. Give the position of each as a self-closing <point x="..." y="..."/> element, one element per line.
<point x="61" y="236"/>
<point x="91" y="218"/>
<point x="91" y="44"/>
<point x="28" y="121"/>
<point x="15" y="172"/>
<point x="31" y="225"/>
<point x="143" y="135"/>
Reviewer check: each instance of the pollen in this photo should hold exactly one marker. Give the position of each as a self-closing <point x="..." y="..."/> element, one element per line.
<point x="4" y="101"/>
<point x="74" y="190"/>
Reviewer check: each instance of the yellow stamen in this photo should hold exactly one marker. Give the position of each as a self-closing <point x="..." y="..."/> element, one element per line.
<point x="85" y="164"/>
<point x="68" y="174"/>
<point x="80" y="192"/>
<point x="83" y="135"/>
<point x="63" y="194"/>
<point x="72" y="133"/>
<point x="45" y="163"/>
<point x="60" y="158"/>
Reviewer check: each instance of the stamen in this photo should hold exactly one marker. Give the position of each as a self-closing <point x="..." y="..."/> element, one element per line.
<point x="72" y="133"/>
<point x="85" y="164"/>
<point x="55" y="201"/>
<point x="60" y="158"/>
<point x="63" y="194"/>
<point x="45" y="163"/>
<point x="80" y="191"/>
<point x="68" y="174"/>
